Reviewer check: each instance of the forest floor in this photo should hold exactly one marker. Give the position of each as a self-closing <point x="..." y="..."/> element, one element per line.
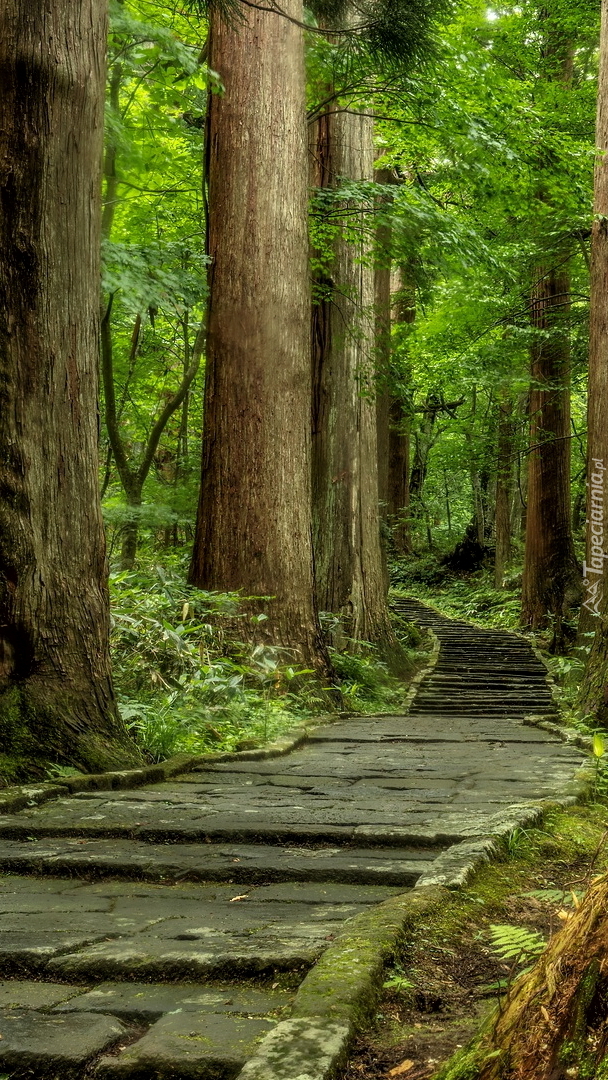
<point x="453" y="967"/>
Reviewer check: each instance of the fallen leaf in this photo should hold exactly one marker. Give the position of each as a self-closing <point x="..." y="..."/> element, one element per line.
<point x="403" y="1068"/>
<point x="245" y="896"/>
<point x="545" y="1014"/>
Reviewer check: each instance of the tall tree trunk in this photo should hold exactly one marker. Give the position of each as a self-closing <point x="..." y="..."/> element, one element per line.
<point x="383" y="350"/>
<point x="399" y="432"/>
<point x="348" y="562"/>
<point x="551" y="579"/>
<point x="399" y="476"/>
<point x="551" y="576"/>
<point x="56" y="696"/>
<point x="130" y="529"/>
<point x="594" y="690"/>
<point x="254" y="519"/>
<point x="504" y="487"/>
<point x="392" y="418"/>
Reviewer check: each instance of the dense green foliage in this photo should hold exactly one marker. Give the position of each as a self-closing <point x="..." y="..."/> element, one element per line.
<point x="187" y="682"/>
<point x="491" y="153"/>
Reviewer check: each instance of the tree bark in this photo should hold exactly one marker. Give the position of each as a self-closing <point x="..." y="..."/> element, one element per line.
<point x="399" y="432"/>
<point x="348" y="561"/>
<point x="382" y="315"/>
<point x="254" y="519"/>
<point x="594" y="690"/>
<point x="504" y="487"/>
<point x="56" y="696"/>
<point x="551" y="579"/>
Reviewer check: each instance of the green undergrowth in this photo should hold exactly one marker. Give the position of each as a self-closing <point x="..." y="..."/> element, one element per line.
<point x="460" y="959"/>
<point x="188" y="681"/>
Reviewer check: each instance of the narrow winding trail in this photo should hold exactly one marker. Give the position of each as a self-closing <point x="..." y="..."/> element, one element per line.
<point x="161" y="931"/>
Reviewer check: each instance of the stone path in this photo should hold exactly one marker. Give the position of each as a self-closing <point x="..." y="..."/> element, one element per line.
<point x="162" y="932"/>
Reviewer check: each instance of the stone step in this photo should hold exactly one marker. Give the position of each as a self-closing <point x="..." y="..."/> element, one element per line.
<point x="508" y="711"/>
<point x="188" y="1034"/>
<point x="233" y="863"/>
<point x="491" y="665"/>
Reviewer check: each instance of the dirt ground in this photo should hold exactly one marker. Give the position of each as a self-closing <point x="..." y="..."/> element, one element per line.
<point x="445" y="983"/>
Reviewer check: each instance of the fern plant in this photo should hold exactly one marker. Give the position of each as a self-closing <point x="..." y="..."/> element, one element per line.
<point x="516" y="943"/>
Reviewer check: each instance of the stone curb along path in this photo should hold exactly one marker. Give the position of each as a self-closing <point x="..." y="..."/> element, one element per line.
<point x="230" y="916"/>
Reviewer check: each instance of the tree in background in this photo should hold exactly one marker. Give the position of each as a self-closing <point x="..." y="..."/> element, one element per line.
<point x="592" y="623"/>
<point x="351" y="314"/>
<point x="551" y="579"/>
<point x="56" y="695"/>
<point x="254" y="521"/>
<point x="350" y="581"/>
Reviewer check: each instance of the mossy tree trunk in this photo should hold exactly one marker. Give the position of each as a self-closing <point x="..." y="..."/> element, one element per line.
<point x="56" y="695"/>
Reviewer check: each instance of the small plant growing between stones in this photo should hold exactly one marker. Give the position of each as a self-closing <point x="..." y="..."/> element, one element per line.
<point x="398" y="981"/>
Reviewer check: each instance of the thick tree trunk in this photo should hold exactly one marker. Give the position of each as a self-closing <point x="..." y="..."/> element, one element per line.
<point x="504" y="487"/>
<point x="594" y="690"/>
<point x="56" y="697"/>
<point x="348" y="560"/>
<point x="551" y="580"/>
<point x="254" y="520"/>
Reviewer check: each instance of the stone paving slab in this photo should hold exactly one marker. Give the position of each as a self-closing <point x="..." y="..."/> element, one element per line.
<point x="30" y="953"/>
<point x="27" y="890"/>
<point x="300" y="1050"/>
<point x="39" y="1044"/>
<point x="27" y="994"/>
<point x="147" y="1002"/>
<point x="213" y="1047"/>
<point x="238" y="863"/>
<point x="205" y="958"/>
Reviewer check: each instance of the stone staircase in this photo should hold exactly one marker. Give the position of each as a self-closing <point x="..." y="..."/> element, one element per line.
<point x="163" y="932"/>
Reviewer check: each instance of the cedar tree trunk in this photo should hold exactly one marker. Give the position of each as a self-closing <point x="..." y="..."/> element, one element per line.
<point x="594" y="691"/>
<point x="399" y="434"/>
<point x="551" y="579"/>
<point x="348" y="561"/>
<point x="504" y="487"/>
<point x="56" y="697"/>
<point x="254" y="520"/>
